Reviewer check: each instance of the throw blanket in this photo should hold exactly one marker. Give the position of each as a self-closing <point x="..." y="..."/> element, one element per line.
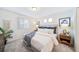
<point x="28" y="37"/>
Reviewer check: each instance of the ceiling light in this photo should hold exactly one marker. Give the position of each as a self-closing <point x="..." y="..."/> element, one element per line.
<point x="50" y="20"/>
<point x="45" y="20"/>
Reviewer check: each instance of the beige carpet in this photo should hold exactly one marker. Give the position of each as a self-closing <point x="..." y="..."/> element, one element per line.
<point x="17" y="46"/>
<point x="63" y="48"/>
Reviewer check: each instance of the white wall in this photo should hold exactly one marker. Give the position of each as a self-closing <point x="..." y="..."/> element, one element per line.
<point x="77" y="30"/>
<point x="56" y="16"/>
<point x="13" y="19"/>
<point x="1" y="22"/>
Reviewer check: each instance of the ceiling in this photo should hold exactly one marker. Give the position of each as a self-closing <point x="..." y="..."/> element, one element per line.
<point x="41" y="11"/>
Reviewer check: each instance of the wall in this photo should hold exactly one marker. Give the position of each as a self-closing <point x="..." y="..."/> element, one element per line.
<point x="1" y="22"/>
<point x="56" y="16"/>
<point x="77" y="29"/>
<point x="12" y="19"/>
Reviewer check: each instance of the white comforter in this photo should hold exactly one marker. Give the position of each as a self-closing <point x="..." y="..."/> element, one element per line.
<point x="43" y="42"/>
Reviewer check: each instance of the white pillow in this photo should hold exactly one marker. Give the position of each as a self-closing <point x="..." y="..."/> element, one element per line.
<point x="51" y="31"/>
<point x="48" y="31"/>
<point x="41" y="30"/>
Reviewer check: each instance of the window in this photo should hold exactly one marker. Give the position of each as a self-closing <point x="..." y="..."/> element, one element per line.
<point x="23" y="23"/>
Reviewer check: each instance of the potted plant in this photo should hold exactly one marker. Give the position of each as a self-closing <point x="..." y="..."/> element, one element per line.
<point x="6" y="34"/>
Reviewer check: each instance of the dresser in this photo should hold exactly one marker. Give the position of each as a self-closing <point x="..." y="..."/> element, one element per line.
<point x="65" y="39"/>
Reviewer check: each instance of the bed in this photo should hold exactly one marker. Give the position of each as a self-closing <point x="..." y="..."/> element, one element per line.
<point x="43" y="40"/>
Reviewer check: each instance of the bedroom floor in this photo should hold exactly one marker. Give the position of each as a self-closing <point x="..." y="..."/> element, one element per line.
<point x="17" y="46"/>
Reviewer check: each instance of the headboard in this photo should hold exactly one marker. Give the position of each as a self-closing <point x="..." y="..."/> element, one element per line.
<point x="44" y="27"/>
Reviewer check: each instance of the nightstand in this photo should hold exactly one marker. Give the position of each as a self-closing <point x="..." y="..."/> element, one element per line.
<point x="65" y="39"/>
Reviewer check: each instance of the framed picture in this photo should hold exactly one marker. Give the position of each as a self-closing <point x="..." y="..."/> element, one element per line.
<point x="65" y="21"/>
